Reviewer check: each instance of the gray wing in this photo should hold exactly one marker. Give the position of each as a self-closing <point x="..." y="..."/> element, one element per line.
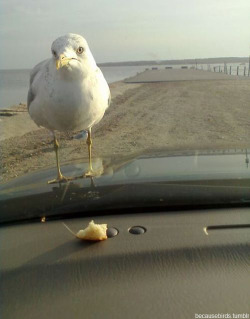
<point x="30" y="97"/>
<point x="31" y="94"/>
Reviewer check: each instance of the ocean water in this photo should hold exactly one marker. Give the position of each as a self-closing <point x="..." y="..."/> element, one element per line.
<point x="14" y="84"/>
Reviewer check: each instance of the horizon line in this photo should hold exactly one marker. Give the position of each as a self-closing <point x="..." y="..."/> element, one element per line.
<point x="196" y="60"/>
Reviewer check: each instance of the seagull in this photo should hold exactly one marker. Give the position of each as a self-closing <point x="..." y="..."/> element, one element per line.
<point x="68" y="92"/>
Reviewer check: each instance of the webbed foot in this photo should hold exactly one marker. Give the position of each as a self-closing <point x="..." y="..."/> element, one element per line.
<point x="93" y="173"/>
<point x="60" y="179"/>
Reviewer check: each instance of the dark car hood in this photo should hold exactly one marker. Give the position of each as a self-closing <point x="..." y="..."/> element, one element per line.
<point x="164" y="179"/>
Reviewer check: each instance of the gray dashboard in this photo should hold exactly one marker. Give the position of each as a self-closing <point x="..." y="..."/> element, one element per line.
<point x="185" y="264"/>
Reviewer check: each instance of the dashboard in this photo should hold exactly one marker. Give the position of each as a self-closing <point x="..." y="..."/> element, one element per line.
<point x="174" y="264"/>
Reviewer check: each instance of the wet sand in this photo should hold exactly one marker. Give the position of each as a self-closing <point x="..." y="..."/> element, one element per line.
<point x="173" y="115"/>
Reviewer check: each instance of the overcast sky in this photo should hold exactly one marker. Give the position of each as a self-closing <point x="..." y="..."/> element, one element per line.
<point x="119" y="30"/>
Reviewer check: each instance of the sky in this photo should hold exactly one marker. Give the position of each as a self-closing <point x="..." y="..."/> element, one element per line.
<point x="130" y="30"/>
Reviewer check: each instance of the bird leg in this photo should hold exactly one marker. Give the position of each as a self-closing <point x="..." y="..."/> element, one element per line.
<point x="90" y="172"/>
<point x="60" y="177"/>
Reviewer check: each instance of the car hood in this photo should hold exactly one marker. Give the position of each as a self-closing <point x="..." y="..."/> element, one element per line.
<point x="159" y="179"/>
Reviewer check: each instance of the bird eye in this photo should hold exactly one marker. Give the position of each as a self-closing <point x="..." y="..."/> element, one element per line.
<point x="80" y="50"/>
<point x="54" y="53"/>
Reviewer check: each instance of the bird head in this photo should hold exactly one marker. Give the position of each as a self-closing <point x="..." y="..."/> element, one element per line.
<point x="71" y="53"/>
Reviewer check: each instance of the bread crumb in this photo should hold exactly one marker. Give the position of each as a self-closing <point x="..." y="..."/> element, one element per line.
<point x="93" y="232"/>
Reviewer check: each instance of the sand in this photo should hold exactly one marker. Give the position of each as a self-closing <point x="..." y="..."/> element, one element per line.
<point x="142" y="118"/>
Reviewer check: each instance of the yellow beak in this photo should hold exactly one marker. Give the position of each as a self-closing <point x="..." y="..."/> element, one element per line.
<point x="62" y="61"/>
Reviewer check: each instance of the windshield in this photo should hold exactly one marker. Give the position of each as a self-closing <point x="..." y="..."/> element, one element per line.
<point x="101" y="99"/>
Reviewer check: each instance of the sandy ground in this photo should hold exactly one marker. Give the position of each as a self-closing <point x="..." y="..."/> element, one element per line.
<point x="180" y="115"/>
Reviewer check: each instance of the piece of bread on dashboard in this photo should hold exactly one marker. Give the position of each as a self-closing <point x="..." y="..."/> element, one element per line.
<point x="93" y="232"/>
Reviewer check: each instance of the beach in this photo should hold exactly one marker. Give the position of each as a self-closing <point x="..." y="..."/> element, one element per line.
<point x="191" y="114"/>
